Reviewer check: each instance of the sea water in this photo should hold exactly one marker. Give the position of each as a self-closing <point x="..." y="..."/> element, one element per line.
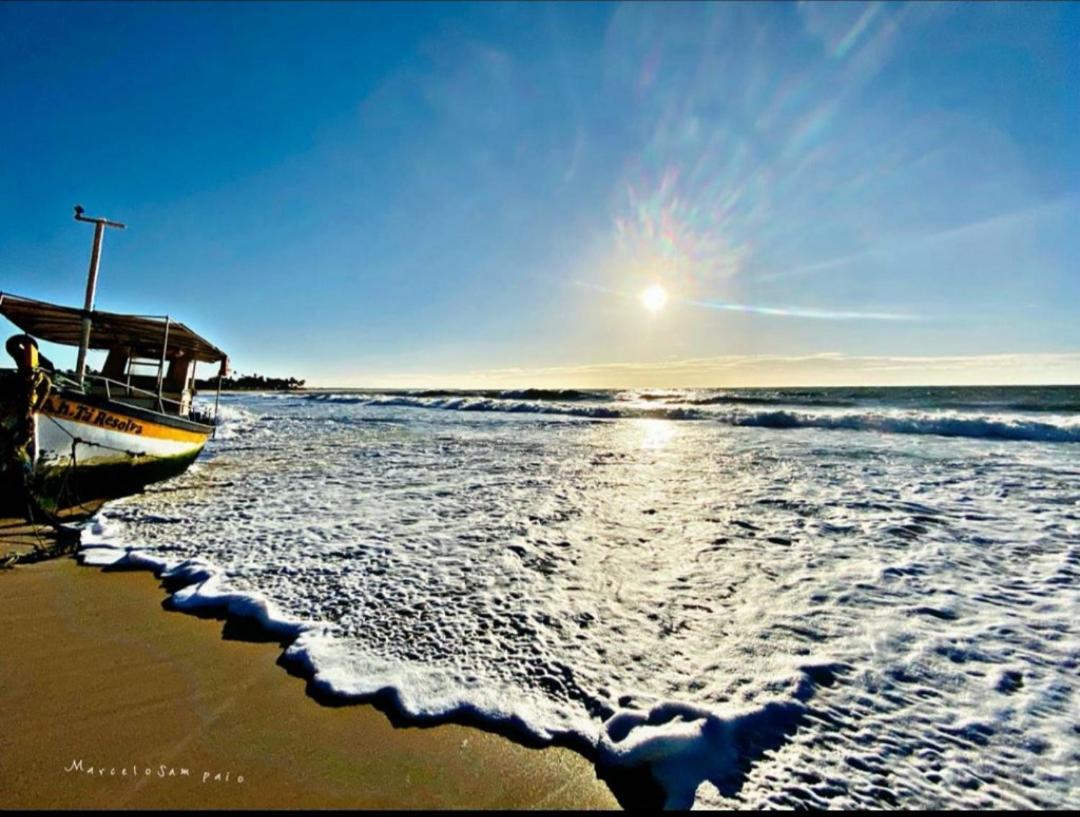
<point x="825" y="598"/>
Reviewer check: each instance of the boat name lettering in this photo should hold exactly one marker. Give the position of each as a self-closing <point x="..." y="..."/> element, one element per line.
<point x="125" y="424"/>
<point x="88" y="414"/>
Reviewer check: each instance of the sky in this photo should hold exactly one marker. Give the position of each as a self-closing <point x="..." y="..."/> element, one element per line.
<point x="476" y="195"/>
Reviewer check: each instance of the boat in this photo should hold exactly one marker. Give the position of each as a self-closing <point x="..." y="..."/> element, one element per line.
<point x="71" y="439"/>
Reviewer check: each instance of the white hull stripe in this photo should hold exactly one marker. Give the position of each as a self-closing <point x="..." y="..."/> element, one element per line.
<point x="99" y="445"/>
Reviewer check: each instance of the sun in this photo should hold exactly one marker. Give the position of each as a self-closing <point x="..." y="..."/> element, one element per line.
<point x="654" y="298"/>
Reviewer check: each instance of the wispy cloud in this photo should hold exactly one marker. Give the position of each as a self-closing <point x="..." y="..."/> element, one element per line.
<point x="799" y="312"/>
<point x="1000" y="221"/>
<point x="769" y="310"/>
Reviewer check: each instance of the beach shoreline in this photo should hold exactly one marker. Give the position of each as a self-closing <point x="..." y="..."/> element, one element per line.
<point x="108" y="702"/>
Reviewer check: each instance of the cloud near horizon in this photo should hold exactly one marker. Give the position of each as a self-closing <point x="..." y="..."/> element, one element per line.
<point x="824" y="369"/>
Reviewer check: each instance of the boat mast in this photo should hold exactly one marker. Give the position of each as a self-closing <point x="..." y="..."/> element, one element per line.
<point x="91" y="283"/>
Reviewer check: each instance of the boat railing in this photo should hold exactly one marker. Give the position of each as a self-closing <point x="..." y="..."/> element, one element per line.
<point x="127" y="390"/>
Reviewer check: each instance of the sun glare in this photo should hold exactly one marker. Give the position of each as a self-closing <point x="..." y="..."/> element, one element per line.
<point x="654" y="298"/>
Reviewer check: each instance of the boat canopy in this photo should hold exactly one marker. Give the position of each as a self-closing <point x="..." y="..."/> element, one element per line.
<point x="144" y="336"/>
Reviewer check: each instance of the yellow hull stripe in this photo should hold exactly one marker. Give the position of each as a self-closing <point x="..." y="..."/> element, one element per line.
<point x="76" y="412"/>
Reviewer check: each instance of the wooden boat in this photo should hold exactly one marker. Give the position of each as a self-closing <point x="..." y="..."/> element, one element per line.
<point x="69" y="438"/>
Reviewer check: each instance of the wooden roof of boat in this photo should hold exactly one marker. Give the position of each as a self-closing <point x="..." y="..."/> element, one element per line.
<point x="141" y="334"/>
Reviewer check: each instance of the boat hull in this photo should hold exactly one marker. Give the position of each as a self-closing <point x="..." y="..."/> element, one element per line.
<point x="87" y="448"/>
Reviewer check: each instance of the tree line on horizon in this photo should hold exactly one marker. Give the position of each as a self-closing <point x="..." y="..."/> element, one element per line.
<point x="251" y="382"/>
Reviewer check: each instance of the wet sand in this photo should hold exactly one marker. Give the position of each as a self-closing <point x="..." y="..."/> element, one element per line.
<point x="94" y="670"/>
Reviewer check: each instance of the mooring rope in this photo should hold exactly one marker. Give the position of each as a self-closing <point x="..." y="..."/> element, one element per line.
<point x="80" y="441"/>
<point x="39" y="385"/>
<point x="69" y="538"/>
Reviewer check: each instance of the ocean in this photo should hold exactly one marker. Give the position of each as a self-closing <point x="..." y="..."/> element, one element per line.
<point x="739" y="598"/>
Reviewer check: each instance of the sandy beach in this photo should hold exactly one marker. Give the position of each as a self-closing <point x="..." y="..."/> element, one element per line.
<point x="540" y="406"/>
<point x="100" y="684"/>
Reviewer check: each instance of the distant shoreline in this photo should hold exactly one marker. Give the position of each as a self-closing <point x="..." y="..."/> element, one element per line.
<point x="492" y="389"/>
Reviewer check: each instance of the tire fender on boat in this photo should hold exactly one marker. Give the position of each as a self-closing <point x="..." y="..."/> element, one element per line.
<point x="24" y="350"/>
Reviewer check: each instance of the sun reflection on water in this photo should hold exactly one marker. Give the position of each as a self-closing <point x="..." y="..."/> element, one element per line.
<point x="656" y="434"/>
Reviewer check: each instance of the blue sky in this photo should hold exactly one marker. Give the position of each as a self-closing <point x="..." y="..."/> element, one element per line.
<point x="476" y="194"/>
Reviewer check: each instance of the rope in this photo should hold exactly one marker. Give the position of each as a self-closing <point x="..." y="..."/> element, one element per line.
<point x="73" y="464"/>
<point x="38" y="384"/>
<point x="68" y="538"/>
<point x="39" y="387"/>
<point x="80" y="441"/>
<point x="66" y="487"/>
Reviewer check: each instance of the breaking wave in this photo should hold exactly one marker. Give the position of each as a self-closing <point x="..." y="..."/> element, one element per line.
<point x="893" y="421"/>
<point x="942" y="426"/>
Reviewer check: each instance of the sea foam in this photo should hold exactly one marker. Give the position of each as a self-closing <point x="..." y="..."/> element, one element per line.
<point x="715" y="614"/>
